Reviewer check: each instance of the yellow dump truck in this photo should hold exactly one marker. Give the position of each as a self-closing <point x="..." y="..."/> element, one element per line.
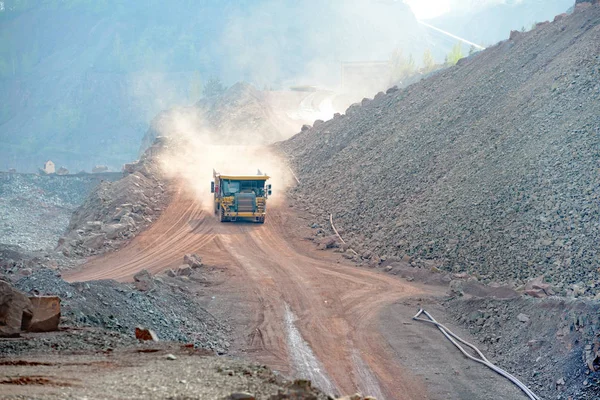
<point x="240" y="197"/>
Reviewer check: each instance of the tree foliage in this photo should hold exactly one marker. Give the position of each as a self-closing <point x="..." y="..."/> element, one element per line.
<point x="428" y="61"/>
<point x="400" y="66"/>
<point x="455" y="54"/>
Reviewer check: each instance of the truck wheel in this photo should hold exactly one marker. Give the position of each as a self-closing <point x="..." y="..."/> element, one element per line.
<point x="261" y="220"/>
<point x="222" y="216"/>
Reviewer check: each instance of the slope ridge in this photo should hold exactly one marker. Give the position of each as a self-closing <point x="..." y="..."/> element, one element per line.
<point x="489" y="167"/>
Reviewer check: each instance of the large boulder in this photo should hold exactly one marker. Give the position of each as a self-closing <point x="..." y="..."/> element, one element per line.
<point x="113" y="231"/>
<point x="46" y="314"/>
<point x="193" y="260"/>
<point x="143" y="281"/>
<point x="16" y="311"/>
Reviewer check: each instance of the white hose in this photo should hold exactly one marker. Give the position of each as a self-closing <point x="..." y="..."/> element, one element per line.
<point x="482" y="360"/>
<point x="338" y="235"/>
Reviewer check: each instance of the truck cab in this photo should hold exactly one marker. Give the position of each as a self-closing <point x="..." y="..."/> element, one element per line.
<point x="240" y="197"/>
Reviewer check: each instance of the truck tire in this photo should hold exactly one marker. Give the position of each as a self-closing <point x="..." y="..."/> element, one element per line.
<point x="222" y="217"/>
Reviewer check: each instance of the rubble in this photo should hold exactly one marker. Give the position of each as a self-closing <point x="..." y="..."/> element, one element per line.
<point x="36" y="208"/>
<point x="472" y="168"/>
<point x="166" y="309"/>
<point x="115" y="212"/>
<point x="538" y="340"/>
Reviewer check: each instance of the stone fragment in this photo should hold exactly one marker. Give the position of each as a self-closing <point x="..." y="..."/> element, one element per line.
<point x="184" y="270"/>
<point x="16" y="311"/>
<point x="171" y="357"/>
<point x="193" y="260"/>
<point x="94" y="242"/>
<point x="46" y="314"/>
<point x="327" y="242"/>
<point x="113" y="231"/>
<point x="145" y="334"/>
<point x="523" y="317"/>
<point x="143" y="281"/>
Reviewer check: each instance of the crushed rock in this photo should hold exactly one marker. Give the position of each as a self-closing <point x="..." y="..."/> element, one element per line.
<point x="489" y="167"/>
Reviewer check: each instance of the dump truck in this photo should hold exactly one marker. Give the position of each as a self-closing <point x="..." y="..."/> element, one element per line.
<point x="240" y="197"/>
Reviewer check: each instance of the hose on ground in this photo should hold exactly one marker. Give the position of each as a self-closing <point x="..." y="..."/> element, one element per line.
<point x="338" y="235"/>
<point x="482" y="359"/>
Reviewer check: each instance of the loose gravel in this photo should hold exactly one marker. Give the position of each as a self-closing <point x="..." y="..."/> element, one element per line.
<point x="491" y="167"/>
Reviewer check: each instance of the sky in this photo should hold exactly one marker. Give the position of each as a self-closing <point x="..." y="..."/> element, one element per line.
<point x="426" y="9"/>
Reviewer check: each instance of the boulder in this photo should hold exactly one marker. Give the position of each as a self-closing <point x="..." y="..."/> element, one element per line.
<point x="318" y="122"/>
<point x="46" y="314"/>
<point x="93" y="225"/>
<point x="16" y="311"/>
<point x="145" y="334"/>
<point x="143" y="281"/>
<point x="523" y="317"/>
<point x="170" y="273"/>
<point x="537" y="288"/>
<point x="113" y="231"/>
<point x="393" y="89"/>
<point x="184" y="270"/>
<point x="305" y="128"/>
<point x="327" y="242"/>
<point x="94" y="242"/>
<point x="193" y="260"/>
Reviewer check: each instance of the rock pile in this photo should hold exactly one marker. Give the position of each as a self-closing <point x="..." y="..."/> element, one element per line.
<point x="489" y="167"/>
<point x="165" y="309"/>
<point x="541" y="341"/>
<point x="35" y="209"/>
<point x="115" y="212"/>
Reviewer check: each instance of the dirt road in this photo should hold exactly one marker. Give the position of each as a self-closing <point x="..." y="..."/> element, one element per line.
<point x="299" y="310"/>
<point x="308" y="313"/>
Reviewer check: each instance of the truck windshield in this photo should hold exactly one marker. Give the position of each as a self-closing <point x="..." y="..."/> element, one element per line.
<point x="231" y="187"/>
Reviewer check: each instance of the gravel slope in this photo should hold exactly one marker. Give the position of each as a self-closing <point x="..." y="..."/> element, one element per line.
<point x="489" y="167"/>
<point x="35" y="209"/>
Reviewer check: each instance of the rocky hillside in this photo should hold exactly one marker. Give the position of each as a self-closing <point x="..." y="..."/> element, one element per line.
<point x="35" y="209"/>
<point x="114" y="212"/>
<point x="489" y="167"/>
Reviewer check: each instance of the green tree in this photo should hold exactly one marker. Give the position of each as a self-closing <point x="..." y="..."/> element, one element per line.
<point x="455" y="54"/>
<point x="213" y="87"/>
<point x="400" y="66"/>
<point x="428" y="61"/>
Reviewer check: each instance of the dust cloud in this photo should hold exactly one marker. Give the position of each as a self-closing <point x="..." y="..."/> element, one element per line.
<point x="193" y="151"/>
